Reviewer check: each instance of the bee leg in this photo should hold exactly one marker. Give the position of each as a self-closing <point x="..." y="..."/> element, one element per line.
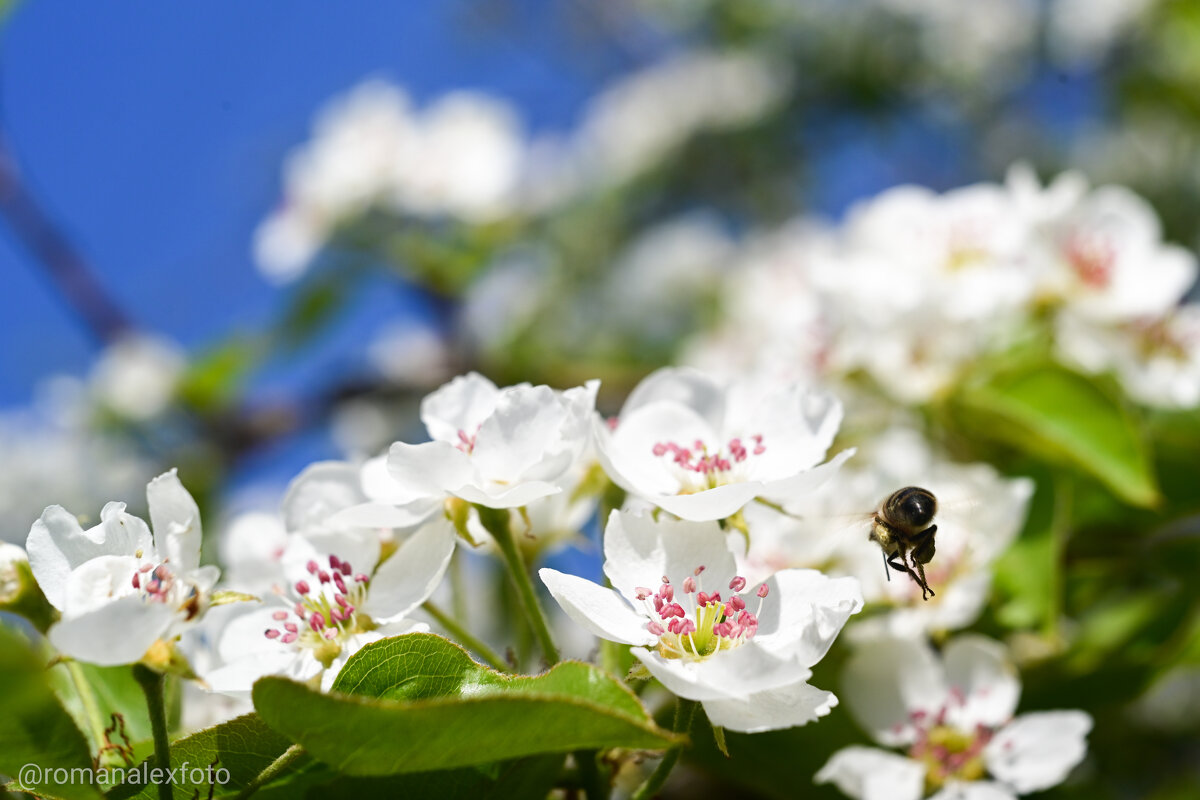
<point x="922" y="554"/>
<point x="902" y="566"/>
<point x="887" y="572"/>
<point x="924" y="583"/>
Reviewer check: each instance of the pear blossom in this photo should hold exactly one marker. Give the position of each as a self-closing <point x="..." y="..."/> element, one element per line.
<point x="954" y="718"/>
<point x="13" y="562"/>
<point x="501" y="448"/>
<point x="702" y="450"/>
<point x="705" y="632"/>
<point x="339" y="597"/>
<point x="979" y="515"/>
<point x="1156" y="360"/>
<point x="119" y="587"/>
<point x="338" y="494"/>
<point x="1100" y="252"/>
<point x="137" y="375"/>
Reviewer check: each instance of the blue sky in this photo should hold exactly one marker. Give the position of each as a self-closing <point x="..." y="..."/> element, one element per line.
<point x="154" y="134"/>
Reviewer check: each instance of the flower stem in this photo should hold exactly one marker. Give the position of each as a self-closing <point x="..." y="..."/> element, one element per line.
<point x="272" y="771"/>
<point x="87" y="698"/>
<point x="463" y="635"/>
<point x="684" y="711"/>
<point x="152" y="685"/>
<point x="496" y="521"/>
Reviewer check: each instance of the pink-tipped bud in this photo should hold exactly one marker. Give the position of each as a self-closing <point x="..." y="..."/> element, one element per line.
<point x="762" y="590"/>
<point x="271" y="633"/>
<point x="280" y="615"/>
<point x="737" y="603"/>
<point x="689" y="585"/>
<point x="656" y="628"/>
<point x="641" y="592"/>
<point x="288" y="638"/>
<point x="312" y="567"/>
<point x="738" y="583"/>
<point x="302" y="587"/>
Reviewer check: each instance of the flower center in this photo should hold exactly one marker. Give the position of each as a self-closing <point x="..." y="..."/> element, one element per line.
<point x="709" y="624"/>
<point x="946" y="751"/>
<point x="324" y="615"/>
<point x="1091" y="258"/>
<point x="157" y="583"/>
<point x="466" y="442"/>
<point x="710" y="469"/>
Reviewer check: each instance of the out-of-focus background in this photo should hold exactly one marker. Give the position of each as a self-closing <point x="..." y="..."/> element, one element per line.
<point x="238" y="238"/>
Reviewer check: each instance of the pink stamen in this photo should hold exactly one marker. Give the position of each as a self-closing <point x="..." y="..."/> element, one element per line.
<point x="689" y="585"/>
<point x="656" y="628"/>
<point x="312" y="567"/>
<point x="738" y="583"/>
<point x="641" y="592"/>
<point x="288" y="638"/>
<point x="763" y="590"/>
<point x="272" y="633"/>
<point x="280" y="615"/>
<point x="302" y="587"/>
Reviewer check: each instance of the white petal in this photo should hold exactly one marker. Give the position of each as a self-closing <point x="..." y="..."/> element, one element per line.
<point x="628" y="452"/>
<point x="710" y="504"/>
<point x="974" y="790"/>
<point x="98" y="582"/>
<point x="885" y="680"/>
<point x="379" y="485"/>
<point x="386" y="515"/>
<point x="1037" y="751"/>
<point x="124" y="534"/>
<point x="430" y="469"/>
<point x="411" y="574"/>
<point x="522" y="494"/>
<point x="785" y="707"/>
<point x="730" y="675"/>
<point x="237" y="678"/>
<point x="804" y="612"/>
<point x="683" y="385"/>
<point x="639" y="551"/>
<point x="787" y="490"/>
<point x="865" y="773"/>
<point x="518" y="434"/>
<point x="320" y="491"/>
<point x="56" y="544"/>
<point x="601" y="611"/>
<point x="244" y="636"/>
<point x="175" y="518"/>
<point x="359" y="548"/>
<point x="115" y="633"/>
<point x="980" y="669"/>
<point x="460" y="405"/>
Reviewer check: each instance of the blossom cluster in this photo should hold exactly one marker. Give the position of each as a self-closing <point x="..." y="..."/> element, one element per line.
<point x="915" y="287"/>
<point x="723" y="583"/>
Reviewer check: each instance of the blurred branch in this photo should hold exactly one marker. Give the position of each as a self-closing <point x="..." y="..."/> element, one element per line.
<point x="58" y="258"/>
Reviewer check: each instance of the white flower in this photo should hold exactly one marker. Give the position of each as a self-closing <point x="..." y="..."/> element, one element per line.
<point x="340" y="495"/>
<point x="501" y="448"/>
<point x="744" y="652"/>
<point x="980" y="514"/>
<point x="1156" y="360"/>
<point x="642" y="117"/>
<point x="701" y="450"/>
<point x="954" y="716"/>
<point x="251" y="546"/>
<point x="119" y="588"/>
<point x="339" y="599"/>
<point x="13" y="561"/>
<point x="1101" y="252"/>
<point x="460" y="158"/>
<point x="137" y="375"/>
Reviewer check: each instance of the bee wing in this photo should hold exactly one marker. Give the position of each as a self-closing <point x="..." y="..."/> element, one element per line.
<point x="838" y="523"/>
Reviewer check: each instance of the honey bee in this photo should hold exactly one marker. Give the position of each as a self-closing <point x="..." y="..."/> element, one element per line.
<point x="901" y="527"/>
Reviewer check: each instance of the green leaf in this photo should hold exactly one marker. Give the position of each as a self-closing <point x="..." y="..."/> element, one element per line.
<point x="36" y="730"/>
<point x="418" y="702"/>
<point x="522" y="779"/>
<point x="1061" y="416"/>
<point x="243" y="746"/>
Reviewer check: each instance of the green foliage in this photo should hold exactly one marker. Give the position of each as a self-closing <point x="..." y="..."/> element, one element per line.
<point x="37" y="729"/>
<point x="1066" y="419"/>
<point x="417" y="703"/>
<point x="244" y="746"/>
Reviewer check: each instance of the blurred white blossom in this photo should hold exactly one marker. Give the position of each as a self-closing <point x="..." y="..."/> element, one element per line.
<point x="136" y="376"/>
<point x="954" y="716"/>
